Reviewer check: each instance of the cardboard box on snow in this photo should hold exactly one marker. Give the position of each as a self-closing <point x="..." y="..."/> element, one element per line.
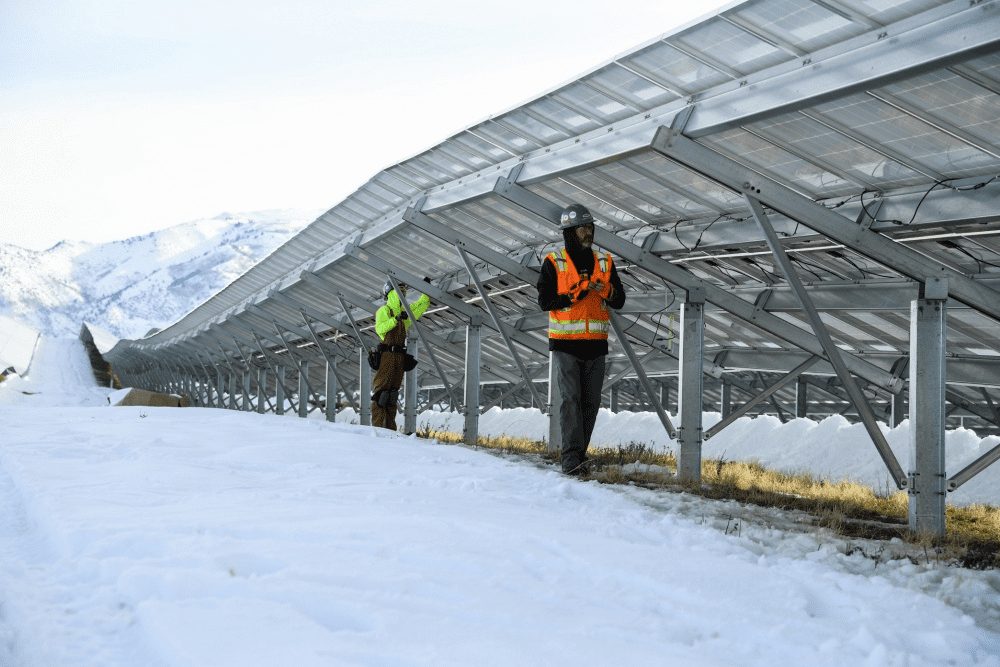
<point x="141" y="397"/>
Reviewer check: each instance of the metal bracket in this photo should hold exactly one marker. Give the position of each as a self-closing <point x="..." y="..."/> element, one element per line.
<point x="678" y="124"/>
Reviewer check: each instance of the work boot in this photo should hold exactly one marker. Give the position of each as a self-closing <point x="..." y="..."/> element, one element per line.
<point x="581" y="469"/>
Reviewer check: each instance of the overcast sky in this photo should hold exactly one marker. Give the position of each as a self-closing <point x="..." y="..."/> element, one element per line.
<point x="125" y="116"/>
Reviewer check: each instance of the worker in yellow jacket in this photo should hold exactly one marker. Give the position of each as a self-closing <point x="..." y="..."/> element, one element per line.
<point x="391" y="325"/>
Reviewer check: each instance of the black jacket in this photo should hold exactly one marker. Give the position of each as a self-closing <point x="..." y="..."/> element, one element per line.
<point x="550" y="299"/>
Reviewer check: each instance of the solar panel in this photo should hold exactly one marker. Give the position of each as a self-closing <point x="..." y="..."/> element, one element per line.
<point x="866" y="133"/>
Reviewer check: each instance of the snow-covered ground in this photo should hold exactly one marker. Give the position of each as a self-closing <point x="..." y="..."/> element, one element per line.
<point x="194" y="537"/>
<point x="17" y="344"/>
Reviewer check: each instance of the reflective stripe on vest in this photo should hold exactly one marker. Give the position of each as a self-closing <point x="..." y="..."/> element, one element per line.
<point x="588" y="319"/>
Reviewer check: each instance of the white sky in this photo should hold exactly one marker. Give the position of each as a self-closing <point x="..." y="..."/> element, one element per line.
<point x="122" y="117"/>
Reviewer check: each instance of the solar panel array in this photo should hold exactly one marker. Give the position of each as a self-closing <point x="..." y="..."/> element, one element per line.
<point x="868" y="130"/>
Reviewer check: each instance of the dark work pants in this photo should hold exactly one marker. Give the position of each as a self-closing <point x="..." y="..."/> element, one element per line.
<point x="579" y="383"/>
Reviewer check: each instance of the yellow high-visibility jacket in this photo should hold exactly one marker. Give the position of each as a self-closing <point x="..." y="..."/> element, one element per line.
<point x="385" y="317"/>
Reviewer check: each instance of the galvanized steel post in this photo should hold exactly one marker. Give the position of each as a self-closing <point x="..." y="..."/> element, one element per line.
<point x="727" y="398"/>
<point x="410" y="393"/>
<point x="304" y="389"/>
<point x="928" y="345"/>
<point x="801" y="398"/>
<point x="331" y="390"/>
<point x="220" y="385"/>
<point x="473" y="358"/>
<point x="364" y="388"/>
<point x="555" y="402"/>
<point x="246" y="390"/>
<point x="261" y="390"/>
<point x="689" y="408"/>
<point x="279" y="391"/>
<point x="898" y="413"/>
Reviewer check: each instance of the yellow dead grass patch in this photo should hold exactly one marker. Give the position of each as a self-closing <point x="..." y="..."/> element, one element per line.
<point x="848" y="508"/>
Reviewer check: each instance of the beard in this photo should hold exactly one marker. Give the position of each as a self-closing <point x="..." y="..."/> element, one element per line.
<point x="574" y="243"/>
<point x="583" y="258"/>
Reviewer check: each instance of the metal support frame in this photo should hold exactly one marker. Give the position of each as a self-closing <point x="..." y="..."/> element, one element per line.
<point x="690" y="377"/>
<point x="246" y="360"/>
<point x="473" y="356"/>
<point x="261" y="390"/>
<point x="675" y="275"/>
<point x="832" y="352"/>
<point x="246" y="390"/>
<point x="771" y="399"/>
<point x="498" y="323"/>
<point x="220" y="384"/>
<point x="279" y="389"/>
<point x="279" y="376"/>
<point x="208" y="381"/>
<point x="764" y="395"/>
<point x="331" y="360"/>
<point x="627" y="368"/>
<point x="364" y="388"/>
<point x="410" y="388"/>
<point x="802" y="398"/>
<point x="516" y="386"/>
<point x="430" y="352"/>
<point x="830" y="224"/>
<point x="301" y="367"/>
<point x="554" y="444"/>
<point x="727" y="398"/>
<point x="304" y="389"/>
<point x="643" y="379"/>
<point x="897" y="409"/>
<point x="456" y="304"/>
<point x="354" y="325"/>
<point x="928" y="346"/>
<point x="331" y="391"/>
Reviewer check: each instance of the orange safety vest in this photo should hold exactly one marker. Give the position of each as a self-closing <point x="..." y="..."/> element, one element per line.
<point x="588" y="319"/>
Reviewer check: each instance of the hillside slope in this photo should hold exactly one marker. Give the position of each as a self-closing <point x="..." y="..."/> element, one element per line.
<point x="129" y="287"/>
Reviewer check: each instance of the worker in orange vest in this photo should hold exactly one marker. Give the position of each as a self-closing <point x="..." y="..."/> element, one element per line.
<point x="577" y="286"/>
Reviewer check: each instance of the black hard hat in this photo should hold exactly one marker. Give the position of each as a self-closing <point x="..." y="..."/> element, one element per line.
<point x="575" y="215"/>
<point x="388" y="288"/>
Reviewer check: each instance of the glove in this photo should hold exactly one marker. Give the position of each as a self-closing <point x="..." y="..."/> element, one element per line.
<point x="402" y="316"/>
<point x="603" y="289"/>
<point x="579" y="291"/>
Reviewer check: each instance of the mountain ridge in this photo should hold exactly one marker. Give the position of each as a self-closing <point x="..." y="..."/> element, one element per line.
<point x="131" y="286"/>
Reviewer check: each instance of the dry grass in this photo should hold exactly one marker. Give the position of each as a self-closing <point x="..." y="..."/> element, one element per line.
<point x="847" y="508"/>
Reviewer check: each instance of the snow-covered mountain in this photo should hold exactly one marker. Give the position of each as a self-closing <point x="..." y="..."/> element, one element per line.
<point x="129" y="287"/>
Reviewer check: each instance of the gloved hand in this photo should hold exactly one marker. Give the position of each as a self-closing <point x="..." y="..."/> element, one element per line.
<point x="402" y="316"/>
<point x="579" y="291"/>
<point x="603" y="289"/>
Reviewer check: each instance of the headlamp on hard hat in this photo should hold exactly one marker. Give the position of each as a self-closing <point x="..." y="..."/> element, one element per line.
<point x="575" y="215"/>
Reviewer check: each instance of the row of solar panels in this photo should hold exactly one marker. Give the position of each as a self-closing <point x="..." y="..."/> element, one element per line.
<point x="884" y="115"/>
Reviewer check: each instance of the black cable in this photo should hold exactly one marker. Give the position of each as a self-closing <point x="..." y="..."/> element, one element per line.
<point x="678" y="237"/>
<point x="751" y="260"/>
<point x="865" y="208"/>
<point x="943" y="184"/>
<point x="805" y="265"/>
<point x="965" y="251"/>
<point x="698" y="242"/>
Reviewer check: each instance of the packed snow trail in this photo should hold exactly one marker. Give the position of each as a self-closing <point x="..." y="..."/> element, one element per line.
<point x="160" y="537"/>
